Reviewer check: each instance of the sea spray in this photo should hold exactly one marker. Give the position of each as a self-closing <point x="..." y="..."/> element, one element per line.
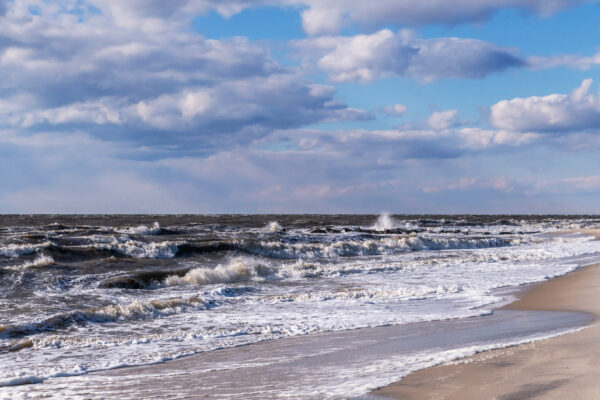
<point x="384" y="222"/>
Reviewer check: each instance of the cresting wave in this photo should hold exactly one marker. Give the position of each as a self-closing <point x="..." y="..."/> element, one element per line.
<point x="252" y="268"/>
<point x="367" y="247"/>
<point x="273" y="226"/>
<point x="135" y="310"/>
<point x="154" y="229"/>
<point x="40" y="261"/>
<point x="237" y="270"/>
<point x="339" y="247"/>
<point x="15" y="250"/>
<point x="137" y="249"/>
<point x="384" y="223"/>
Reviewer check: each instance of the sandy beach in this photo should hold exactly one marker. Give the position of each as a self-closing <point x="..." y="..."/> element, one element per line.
<point x="565" y="367"/>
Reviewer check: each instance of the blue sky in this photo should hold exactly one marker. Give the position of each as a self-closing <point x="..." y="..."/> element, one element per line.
<point x="265" y="106"/>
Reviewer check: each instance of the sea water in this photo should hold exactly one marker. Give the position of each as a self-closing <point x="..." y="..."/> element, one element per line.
<point x="81" y="294"/>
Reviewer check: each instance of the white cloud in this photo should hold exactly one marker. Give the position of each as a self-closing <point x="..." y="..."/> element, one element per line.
<point x="441" y="120"/>
<point x="567" y="60"/>
<point x="71" y="64"/>
<point x="395" y="109"/>
<point x="561" y="113"/>
<point x="500" y="184"/>
<point x="576" y="184"/>
<point x="155" y="15"/>
<point x="385" y="53"/>
<point x="477" y="138"/>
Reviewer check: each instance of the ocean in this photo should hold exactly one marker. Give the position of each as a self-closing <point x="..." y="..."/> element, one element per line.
<point x="83" y="295"/>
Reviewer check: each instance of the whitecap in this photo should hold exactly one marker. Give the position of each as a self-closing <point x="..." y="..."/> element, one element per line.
<point x="154" y="229"/>
<point x="237" y="270"/>
<point x="273" y="226"/>
<point x="16" y="250"/>
<point x="41" y="261"/>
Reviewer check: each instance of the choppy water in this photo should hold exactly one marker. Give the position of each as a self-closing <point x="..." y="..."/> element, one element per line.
<point x="88" y="293"/>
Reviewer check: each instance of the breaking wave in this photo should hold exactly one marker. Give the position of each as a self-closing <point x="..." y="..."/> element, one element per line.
<point x="369" y="247"/>
<point x="237" y="270"/>
<point x="384" y="223"/>
<point x="273" y="226"/>
<point x="405" y="293"/>
<point x="286" y="247"/>
<point x="138" y="249"/>
<point x="154" y="229"/>
<point x="113" y="313"/>
<point x="40" y="261"/>
<point x="16" y="250"/>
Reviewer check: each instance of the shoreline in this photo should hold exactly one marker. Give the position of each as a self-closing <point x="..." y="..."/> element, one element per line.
<point x="556" y="368"/>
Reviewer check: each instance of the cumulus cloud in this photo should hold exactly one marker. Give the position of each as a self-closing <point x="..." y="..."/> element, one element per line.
<point x="477" y="138"/>
<point x="153" y="81"/>
<point x="154" y="15"/>
<point x="560" y="113"/>
<point x="441" y="120"/>
<point x="385" y="53"/>
<point x="330" y="16"/>
<point x="395" y="109"/>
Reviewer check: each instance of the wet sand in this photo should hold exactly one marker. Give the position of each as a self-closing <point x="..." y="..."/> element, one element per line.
<point x="565" y="367"/>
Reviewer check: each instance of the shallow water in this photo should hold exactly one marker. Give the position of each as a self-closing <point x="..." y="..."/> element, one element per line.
<point x="325" y="365"/>
<point x="87" y="293"/>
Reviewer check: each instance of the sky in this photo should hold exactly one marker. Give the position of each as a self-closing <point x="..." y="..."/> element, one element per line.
<point x="300" y="106"/>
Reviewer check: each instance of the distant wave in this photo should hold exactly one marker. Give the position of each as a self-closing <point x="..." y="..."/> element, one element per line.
<point x="384" y="223"/>
<point x="138" y="249"/>
<point x="100" y="246"/>
<point x="273" y="226"/>
<point x="143" y="230"/>
<point x="354" y="247"/>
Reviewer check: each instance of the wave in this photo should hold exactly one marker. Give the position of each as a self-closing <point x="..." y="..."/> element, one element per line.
<point x="154" y="229"/>
<point x="384" y="223"/>
<point x="293" y="247"/>
<point x="363" y="245"/>
<point x="40" y="261"/>
<point x="237" y="270"/>
<point x="273" y="226"/>
<point x="135" y="310"/>
<point x="16" y="250"/>
<point x="369" y="247"/>
<point x="197" y="248"/>
<point x="139" y="249"/>
<point x="405" y="293"/>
